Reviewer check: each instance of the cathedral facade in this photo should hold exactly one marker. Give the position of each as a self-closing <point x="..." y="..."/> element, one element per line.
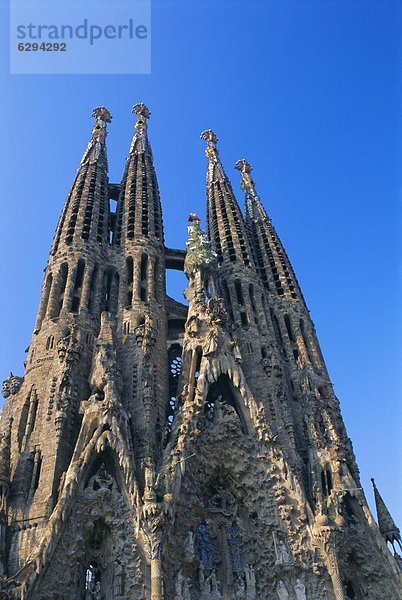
<point x="158" y="451"/>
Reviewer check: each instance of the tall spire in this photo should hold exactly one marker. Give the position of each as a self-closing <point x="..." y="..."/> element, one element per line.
<point x="84" y="216"/>
<point x="274" y="266"/>
<point x="386" y="523"/>
<point x="139" y="211"/>
<point x="226" y="226"/>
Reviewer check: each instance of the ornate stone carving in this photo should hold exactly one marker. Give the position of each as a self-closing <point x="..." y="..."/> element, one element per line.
<point x="300" y="590"/>
<point x="11" y="385"/>
<point x="69" y="349"/>
<point x="282" y="591"/>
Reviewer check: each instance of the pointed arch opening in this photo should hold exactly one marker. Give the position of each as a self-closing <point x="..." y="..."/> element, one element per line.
<point x="224" y="401"/>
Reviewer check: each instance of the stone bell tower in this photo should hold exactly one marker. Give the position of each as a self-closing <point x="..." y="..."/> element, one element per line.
<point x="159" y="451"/>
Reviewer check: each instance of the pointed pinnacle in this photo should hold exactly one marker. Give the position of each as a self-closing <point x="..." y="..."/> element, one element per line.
<point x="386" y="523"/>
<point x="245" y="169"/>
<point x="141" y="110"/>
<point x="101" y="113"/>
<point x="209" y="136"/>
<point x="243" y="166"/>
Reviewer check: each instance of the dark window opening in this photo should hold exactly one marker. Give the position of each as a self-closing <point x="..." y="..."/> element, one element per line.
<point x="329" y="481"/>
<point x="143" y="277"/>
<point x="239" y="292"/>
<point x="45" y="300"/>
<point x="326" y="482"/>
<point x="226" y="295"/>
<point x="129" y="275"/>
<point x="61" y="289"/>
<point x="92" y="580"/>
<point x="222" y="392"/>
<point x="36" y="474"/>
<point x="205" y="546"/>
<point x="75" y="304"/>
<point x="289" y="328"/>
<point x="92" y="289"/>
<point x="50" y="342"/>
<point x="350" y="592"/>
<point x="175" y="367"/>
<point x="244" y="320"/>
<point x="235" y="549"/>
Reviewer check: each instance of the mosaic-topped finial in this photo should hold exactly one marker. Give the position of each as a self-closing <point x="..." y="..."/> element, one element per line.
<point x="143" y="113"/>
<point x="102" y="116"/>
<point x="211" y="138"/>
<point x="193" y="217"/>
<point x="245" y="169"/>
<point x="101" y="113"/>
<point x="141" y="110"/>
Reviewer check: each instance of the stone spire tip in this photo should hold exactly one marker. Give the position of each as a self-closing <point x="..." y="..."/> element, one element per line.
<point x="101" y="113"/>
<point x="243" y="166"/>
<point x="141" y="110"/>
<point x="209" y="136"/>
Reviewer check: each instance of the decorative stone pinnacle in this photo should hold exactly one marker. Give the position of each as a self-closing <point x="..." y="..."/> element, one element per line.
<point x="243" y="166"/>
<point x="141" y="110"/>
<point x="209" y="136"/>
<point x="193" y="217"/>
<point x="102" y="114"/>
<point x="245" y="169"/>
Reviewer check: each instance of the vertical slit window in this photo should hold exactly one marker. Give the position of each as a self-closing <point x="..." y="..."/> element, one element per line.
<point x="61" y="288"/>
<point x="129" y="276"/>
<point x="114" y="292"/>
<point x="239" y="292"/>
<point x="92" y="290"/>
<point x="130" y="195"/>
<point x="45" y="300"/>
<point x="289" y="328"/>
<point x="86" y="228"/>
<point x="79" y="277"/>
<point x="227" y="297"/>
<point x="143" y="277"/>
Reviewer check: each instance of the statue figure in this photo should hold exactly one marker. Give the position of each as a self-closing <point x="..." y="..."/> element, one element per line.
<point x="282" y="592"/>
<point x="300" y="590"/>
<point x="179" y="586"/>
<point x="186" y="590"/>
<point x="211" y="343"/>
<point x="11" y="385"/>
<point x="236" y="350"/>
<point x="97" y="592"/>
<point x="282" y="554"/>
<point x="15" y="383"/>
<point x="189" y="547"/>
<point x="192" y="326"/>
<point x="250" y="583"/>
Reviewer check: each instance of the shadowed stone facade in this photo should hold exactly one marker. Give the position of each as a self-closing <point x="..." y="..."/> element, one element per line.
<point x="158" y="451"/>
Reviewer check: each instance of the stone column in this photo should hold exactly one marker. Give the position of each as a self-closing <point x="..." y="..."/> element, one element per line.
<point x="156" y="571"/>
<point x="151" y="279"/>
<point x="44" y="301"/>
<point x="136" y="278"/>
<point x="86" y="287"/>
<point x="69" y="289"/>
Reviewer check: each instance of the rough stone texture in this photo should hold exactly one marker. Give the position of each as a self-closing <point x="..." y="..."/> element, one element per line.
<point x="157" y="452"/>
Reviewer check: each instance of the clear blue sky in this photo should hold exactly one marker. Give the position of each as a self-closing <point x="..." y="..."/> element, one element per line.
<point x="309" y="93"/>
